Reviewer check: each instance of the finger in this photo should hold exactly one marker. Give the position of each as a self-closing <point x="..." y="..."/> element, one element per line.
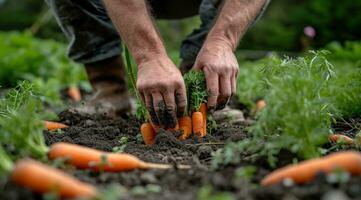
<point x="181" y="101"/>
<point x="225" y="91"/>
<point x="159" y="108"/>
<point x="142" y="97"/>
<point x="212" y="89"/>
<point x="150" y="108"/>
<point x="234" y="83"/>
<point x="169" y="115"/>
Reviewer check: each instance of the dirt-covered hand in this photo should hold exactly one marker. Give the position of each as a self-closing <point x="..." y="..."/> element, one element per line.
<point x="162" y="88"/>
<point x="219" y="64"/>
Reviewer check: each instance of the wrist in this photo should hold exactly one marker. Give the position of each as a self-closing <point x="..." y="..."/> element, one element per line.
<point x="217" y="42"/>
<point x="144" y="55"/>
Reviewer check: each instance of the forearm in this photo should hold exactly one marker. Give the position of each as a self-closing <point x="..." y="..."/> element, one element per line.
<point x="233" y="21"/>
<point x="136" y="28"/>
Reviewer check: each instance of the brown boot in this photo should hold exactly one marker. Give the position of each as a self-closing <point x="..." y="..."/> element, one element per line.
<point x="110" y="88"/>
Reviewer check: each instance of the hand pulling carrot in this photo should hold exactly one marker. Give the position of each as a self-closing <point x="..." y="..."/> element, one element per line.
<point x="51" y="126"/>
<point x="42" y="179"/>
<point x="74" y="93"/>
<point x="88" y="158"/>
<point x="197" y="124"/>
<point x="305" y="171"/>
<point x="339" y="137"/>
<point x="185" y="124"/>
<point x="148" y="133"/>
<point x="203" y="110"/>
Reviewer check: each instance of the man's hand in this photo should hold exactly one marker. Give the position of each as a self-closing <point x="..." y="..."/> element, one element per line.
<point x="219" y="64"/>
<point x="162" y="88"/>
<point x="216" y="58"/>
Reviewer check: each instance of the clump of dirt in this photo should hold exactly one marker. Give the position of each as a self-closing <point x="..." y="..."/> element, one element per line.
<point x="105" y="133"/>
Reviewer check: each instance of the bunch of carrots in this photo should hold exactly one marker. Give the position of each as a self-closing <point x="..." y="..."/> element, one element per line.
<point x="194" y="120"/>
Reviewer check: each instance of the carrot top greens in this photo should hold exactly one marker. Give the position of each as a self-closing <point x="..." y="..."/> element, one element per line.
<point x="196" y="89"/>
<point x="296" y="117"/>
<point x="20" y="127"/>
<point x="141" y="110"/>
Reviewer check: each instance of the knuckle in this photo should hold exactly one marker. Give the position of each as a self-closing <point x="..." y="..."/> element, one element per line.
<point x="170" y="108"/>
<point x="213" y="93"/>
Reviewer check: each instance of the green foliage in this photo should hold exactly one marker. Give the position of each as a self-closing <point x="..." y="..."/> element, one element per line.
<point x="350" y="51"/>
<point x="196" y="89"/>
<point x="43" y="62"/>
<point x="20" y="127"/>
<point x="250" y="80"/>
<point x="295" y="109"/>
<point x="297" y="115"/>
<point x="6" y="163"/>
<point x="344" y="90"/>
<point x="206" y="193"/>
<point x="141" y="110"/>
<point x="282" y="30"/>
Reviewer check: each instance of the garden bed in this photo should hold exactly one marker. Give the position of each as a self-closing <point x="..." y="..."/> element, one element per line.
<point x="198" y="182"/>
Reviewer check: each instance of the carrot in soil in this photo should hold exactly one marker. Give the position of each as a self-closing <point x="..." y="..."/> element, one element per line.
<point x="203" y="110"/>
<point x="74" y="93"/>
<point x="88" y="158"/>
<point x="307" y="170"/>
<point x="197" y="124"/>
<point x="185" y="124"/>
<point x="148" y="133"/>
<point x="52" y="126"/>
<point x="339" y="137"/>
<point x="42" y="179"/>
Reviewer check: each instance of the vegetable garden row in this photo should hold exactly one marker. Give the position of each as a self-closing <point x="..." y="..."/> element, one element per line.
<point x="298" y="135"/>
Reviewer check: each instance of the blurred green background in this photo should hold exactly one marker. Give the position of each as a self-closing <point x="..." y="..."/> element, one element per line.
<point x="281" y="28"/>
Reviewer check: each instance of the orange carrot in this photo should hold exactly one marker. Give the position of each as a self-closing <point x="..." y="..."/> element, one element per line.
<point x="339" y="137"/>
<point x="42" y="179"/>
<point x="51" y="126"/>
<point x="260" y="105"/>
<point x="74" y="93"/>
<point x="203" y="110"/>
<point x="307" y="170"/>
<point x="148" y="133"/>
<point x="185" y="124"/>
<point x="88" y="158"/>
<point x="197" y="124"/>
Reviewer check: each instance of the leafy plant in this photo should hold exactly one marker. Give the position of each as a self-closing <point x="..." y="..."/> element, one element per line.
<point x="20" y="127"/>
<point x="196" y="89"/>
<point x="296" y="117"/>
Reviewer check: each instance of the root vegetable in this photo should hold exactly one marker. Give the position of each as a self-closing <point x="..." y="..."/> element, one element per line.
<point x="185" y="124"/>
<point x="74" y="93"/>
<point x="88" y="158"/>
<point x="148" y="133"/>
<point x="260" y="105"/>
<point x="42" y="179"/>
<point x="305" y="171"/>
<point x="197" y="124"/>
<point x="339" y="137"/>
<point x="52" y="126"/>
<point x="203" y="110"/>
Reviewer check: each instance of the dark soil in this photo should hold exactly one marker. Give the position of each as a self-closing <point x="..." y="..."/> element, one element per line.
<point x="103" y="133"/>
